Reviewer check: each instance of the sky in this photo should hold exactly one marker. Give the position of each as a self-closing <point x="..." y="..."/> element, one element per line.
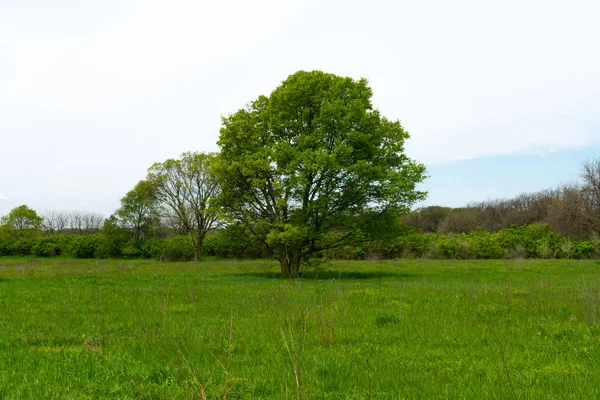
<point x="500" y="98"/>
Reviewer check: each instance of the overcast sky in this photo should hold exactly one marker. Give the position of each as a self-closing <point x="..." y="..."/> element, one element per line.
<point x="93" y="93"/>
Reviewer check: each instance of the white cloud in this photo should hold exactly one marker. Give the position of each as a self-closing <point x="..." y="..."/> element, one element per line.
<point x="3" y="197"/>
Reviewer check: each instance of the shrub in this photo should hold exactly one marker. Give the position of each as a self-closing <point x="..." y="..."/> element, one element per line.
<point x="6" y="247"/>
<point x="414" y="244"/>
<point x="445" y="247"/>
<point x="130" y="250"/>
<point x="152" y="248"/>
<point x="177" y="248"/>
<point x="48" y="246"/>
<point x="90" y="246"/>
<point x="23" y="247"/>
<point x="583" y="249"/>
<point x="485" y="245"/>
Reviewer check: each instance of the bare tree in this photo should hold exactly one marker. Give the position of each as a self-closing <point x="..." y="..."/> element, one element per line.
<point x="55" y="221"/>
<point x="567" y="212"/>
<point x="92" y="222"/>
<point x="591" y="195"/>
<point x="427" y="219"/>
<point x="76" y="222"/>
<point x="83" y="223"/>
<point x="462" y="220"/>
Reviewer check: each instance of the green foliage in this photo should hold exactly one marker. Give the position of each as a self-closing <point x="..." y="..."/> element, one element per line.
<point x="19" y="247"/>
<point x="89" y="246"/>
<point x="233" y="241"/>
<point x="483" y="245"/>
<point x="445" y="247"/>
<point x="140" y="210"/>
<point x="527" y="241"/>
<point x="5" y="247"/>
<point x="21" y="223"/>
<point x="115" y="237"/>
<point x="583" y="249"/>
<point x="177" y="248"/>
<point x="151" y="248"/>
<point x="304" y="168"/>
<point x="131" y="250"/>
<point x="414" y="244"/>
<point x="54" y="245"/>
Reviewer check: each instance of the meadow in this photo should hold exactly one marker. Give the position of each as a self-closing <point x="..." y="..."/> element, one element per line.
<point x="232" y="329"/>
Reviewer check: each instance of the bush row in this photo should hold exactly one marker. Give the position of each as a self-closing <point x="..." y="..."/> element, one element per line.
<point x="101" y="245"/>
<point x="527" y="241"/>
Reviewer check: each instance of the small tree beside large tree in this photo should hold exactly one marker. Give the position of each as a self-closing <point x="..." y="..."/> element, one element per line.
<point x="314" y="166"/>
<point x="186" y="188"/>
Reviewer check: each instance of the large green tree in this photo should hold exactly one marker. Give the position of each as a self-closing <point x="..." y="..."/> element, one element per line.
<point x="187" y="188"/>
<point x="314" y="166"/>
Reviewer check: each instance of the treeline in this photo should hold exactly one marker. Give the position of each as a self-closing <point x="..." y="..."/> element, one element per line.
<point x="572" y="211"/>
<point x="89" y="235"/>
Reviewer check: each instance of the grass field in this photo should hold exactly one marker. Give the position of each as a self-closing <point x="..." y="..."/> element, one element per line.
<point x="357" y="330"/>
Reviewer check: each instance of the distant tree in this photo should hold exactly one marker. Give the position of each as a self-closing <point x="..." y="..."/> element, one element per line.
<point x="591" y="195"/>
<point x="460" y="220"/>
<point x="140" y="209"/>
<point x="566" y="214"/>
<point x="21" y="222"/>
<point x="427" y="219"/>
<point x="313" y="166"/>
<point x="76" y="222"/>
<point x="529" y="208"/>
<point x="55" y="221"/>
<point x="92" y="223"/>
<point x="187" y="188"/>
<point x="84" y="223"/>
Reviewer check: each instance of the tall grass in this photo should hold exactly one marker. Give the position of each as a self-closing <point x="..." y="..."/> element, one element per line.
<point x="356" y="330"/>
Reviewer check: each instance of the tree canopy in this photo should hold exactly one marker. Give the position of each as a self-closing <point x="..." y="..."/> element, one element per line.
<point x="313" y="166"/>
<point x="21" y="221"/>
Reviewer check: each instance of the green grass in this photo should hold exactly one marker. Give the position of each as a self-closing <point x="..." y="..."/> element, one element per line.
<point x="231" y="329"/>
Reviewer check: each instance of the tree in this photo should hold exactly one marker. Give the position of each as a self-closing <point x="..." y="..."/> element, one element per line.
<point x="460" y="220"/>
<point x="140" y="209"/>
<point x="92" y="223"/>
<point x="591" y="195"/>
<point x="309" y="167"/>
<point x="566" y="214"/>
<point x="22" y="222"/>
<point x="427" y="219"/>
<point x="55" y="221"/>
<point x="187" y="187"/>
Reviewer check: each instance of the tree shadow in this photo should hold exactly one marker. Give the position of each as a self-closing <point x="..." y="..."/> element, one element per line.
<point x="330" y="275"/>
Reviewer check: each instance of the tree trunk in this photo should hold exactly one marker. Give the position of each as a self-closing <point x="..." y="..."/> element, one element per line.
<point x="197" y="245"/>
<point x="290" y="265"/>
<point x="197" y="253"/>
